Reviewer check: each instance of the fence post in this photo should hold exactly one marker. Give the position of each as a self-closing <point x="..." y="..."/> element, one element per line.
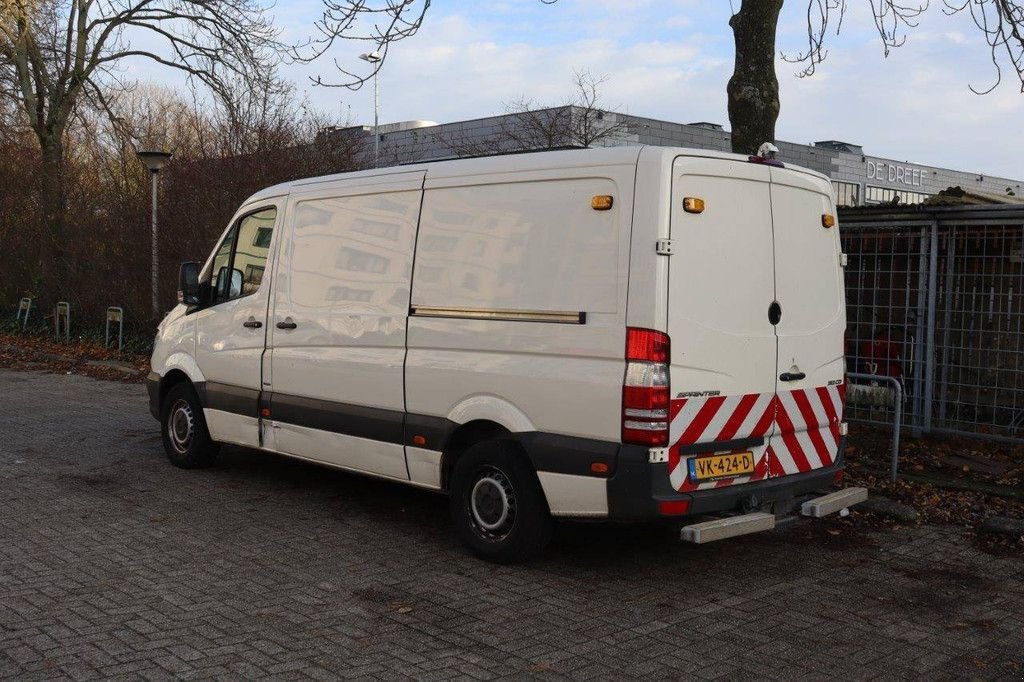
<point x="929" y="371"/>
<point x="922" y="286"/>
<point x="947" y="323"/>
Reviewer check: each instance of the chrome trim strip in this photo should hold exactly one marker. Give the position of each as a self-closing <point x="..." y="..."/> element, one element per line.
<point x="504" y="315"/>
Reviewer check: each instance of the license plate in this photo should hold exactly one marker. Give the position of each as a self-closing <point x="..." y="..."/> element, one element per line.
<point x="721" y="466"/>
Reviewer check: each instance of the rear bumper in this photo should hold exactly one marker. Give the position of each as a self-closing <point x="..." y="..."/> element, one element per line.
<point x="638" y="486"/>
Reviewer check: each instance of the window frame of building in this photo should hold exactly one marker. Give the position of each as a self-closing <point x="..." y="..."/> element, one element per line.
<point x="846" y="190"/>
<point x="876" y="194"/>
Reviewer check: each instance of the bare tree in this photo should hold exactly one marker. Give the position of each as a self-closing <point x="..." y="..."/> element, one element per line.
<point x="591" y="123"/>
<point x="580" y="122"/>
<point x="754" y="89"/>
<point x="55" y="53"/>
<point x="529" y="126"/>
<point x="380" y="23"/>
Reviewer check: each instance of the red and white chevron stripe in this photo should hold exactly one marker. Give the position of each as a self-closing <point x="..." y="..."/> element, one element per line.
<point x="800" y="428"/>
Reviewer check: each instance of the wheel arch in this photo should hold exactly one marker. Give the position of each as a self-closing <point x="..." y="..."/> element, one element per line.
<point x="181" y="367"/>
<point x="174" y="377"/>
<point x="478" y="418"/>
<point x="462" y="438"/>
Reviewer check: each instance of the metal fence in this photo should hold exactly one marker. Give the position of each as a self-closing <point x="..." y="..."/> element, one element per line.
<point x="935" y="299"/>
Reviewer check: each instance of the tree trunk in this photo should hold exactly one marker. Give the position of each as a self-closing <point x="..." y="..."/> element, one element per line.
<point x="754" y="89"/>
<point x="53" y="207"/>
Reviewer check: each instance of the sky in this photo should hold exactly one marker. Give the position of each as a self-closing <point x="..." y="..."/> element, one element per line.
<point x="671" y="60"/>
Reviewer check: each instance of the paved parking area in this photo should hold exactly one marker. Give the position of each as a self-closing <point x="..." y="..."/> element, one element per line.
<point x="115" y="564"/>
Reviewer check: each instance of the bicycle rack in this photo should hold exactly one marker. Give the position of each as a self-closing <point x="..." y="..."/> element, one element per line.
<point x="897" y="413"/>
<point x="114" y="314"/>
<point x="24" y="305"/>
<point x="62" y="309"/>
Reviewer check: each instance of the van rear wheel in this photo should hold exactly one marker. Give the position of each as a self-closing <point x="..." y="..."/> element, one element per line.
<point x="497" y="504"/>
<point x="186" y="439"/>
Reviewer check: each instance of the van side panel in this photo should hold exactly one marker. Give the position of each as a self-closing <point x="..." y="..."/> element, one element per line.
<point x="527" y="244"/>
<point x="343" y="280"/>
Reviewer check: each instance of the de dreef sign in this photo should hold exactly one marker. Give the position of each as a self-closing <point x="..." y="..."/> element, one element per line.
<point x="891" y="172"/>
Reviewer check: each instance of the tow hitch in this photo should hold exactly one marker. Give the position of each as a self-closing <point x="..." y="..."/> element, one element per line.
<point x="755" y="522"/>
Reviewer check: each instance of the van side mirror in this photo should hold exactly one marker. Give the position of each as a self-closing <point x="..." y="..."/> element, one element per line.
<point x="188" y="283"/>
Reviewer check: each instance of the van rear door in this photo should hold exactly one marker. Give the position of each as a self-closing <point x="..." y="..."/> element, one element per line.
<point x="809" y="289"/>
<point x="721" y="284"/>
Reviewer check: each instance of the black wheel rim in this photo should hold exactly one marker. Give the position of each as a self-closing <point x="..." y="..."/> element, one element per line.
<point x="491" y="504"/>
<point x="181" y="426"/>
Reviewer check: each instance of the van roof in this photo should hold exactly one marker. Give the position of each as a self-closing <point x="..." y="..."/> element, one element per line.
<point x="532" y="161"/>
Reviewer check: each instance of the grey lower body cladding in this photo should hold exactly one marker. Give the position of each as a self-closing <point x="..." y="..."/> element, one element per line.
<point x="635" y="486"/>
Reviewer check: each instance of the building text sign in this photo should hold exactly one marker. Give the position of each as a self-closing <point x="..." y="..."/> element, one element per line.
<point x="892" y="172"/>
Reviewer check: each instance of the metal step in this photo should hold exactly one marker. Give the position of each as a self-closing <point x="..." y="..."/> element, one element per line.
<point x="833" y="502"/>
<point x="728" y="527"/>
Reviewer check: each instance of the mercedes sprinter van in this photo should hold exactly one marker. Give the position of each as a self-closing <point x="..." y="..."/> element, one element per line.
<point x="618" y="333"/>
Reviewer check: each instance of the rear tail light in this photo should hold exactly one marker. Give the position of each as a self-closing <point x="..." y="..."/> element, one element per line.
<point x="645" y="388"/>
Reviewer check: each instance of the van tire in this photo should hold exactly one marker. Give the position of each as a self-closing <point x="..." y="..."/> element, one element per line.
<point x="497" y="505"/>
<point x="183" y="428"/>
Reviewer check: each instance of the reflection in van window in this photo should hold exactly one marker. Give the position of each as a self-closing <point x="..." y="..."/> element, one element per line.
<point x="376" y="229"/>
<point x="353" y="253"/>
<point x="262" y="238"/>
<point x="250" y="258"/>
<point x="352" y="259"/>
<point x="349" y="294"/>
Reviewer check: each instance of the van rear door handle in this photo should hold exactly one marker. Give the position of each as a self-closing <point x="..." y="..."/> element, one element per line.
<point x="252" y="323"/>
<point x="792" y="376"/>
<point x="286" y="324"/>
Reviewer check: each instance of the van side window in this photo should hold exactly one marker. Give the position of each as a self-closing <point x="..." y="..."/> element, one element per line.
<point x="242" y="256"/>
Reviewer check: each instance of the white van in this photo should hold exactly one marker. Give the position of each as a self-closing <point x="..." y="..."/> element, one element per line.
<point x="624" y="333"/>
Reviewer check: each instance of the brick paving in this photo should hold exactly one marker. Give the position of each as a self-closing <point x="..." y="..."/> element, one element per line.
<point x="113" y="564"/>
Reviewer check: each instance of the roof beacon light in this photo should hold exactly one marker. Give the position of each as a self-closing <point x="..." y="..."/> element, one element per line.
<point x="767" y="151"/>
<point x="766" y="155"/>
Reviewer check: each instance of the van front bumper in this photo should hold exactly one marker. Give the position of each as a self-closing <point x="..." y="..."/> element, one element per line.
<point x="637" y="488"/>
<point x="153" y="389"/>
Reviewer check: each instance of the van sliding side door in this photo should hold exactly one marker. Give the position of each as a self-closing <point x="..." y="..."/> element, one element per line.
<point x="338" y="323"/>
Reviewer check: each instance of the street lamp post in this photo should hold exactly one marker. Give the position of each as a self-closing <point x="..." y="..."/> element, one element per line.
<point x="154" y="161"/>
<point x="374" y="58"/>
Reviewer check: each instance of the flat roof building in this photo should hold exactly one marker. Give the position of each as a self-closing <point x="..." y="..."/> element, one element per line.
<point x="859" y="179"/>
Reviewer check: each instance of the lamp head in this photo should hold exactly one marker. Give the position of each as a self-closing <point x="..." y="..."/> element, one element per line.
<point x="153" y="159"/>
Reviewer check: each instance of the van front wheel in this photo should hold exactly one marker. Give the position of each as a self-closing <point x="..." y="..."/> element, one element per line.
<point x="497" y="504"/>
<point x="186" y="439"/>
